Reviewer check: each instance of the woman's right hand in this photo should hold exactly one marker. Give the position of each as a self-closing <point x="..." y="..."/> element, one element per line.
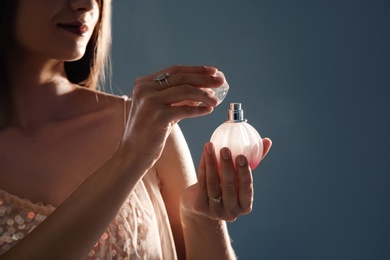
<point x="156" y="108"/>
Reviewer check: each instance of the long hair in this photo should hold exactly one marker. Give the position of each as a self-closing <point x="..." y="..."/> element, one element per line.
<point x="89" y="71"/>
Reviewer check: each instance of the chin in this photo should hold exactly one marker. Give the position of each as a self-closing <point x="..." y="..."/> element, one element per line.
<point x="71" y="52"/>
<point x="74" y="56"/>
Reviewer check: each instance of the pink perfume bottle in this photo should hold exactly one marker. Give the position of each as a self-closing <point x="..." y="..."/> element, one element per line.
<point x="239" y="136"/>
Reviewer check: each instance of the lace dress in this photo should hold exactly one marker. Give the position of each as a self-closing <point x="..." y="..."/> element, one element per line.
<point x="141" y="229"/>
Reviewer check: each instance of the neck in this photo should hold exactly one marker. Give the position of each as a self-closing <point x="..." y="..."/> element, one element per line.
<point x="38" y="86"/>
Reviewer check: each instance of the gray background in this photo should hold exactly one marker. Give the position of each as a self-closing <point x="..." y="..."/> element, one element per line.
<point x="312" y="75"/>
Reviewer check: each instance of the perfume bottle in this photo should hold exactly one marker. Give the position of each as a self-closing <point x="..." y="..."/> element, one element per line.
<point x="236" y="134"/>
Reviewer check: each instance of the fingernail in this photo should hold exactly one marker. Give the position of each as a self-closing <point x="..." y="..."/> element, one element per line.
<point x="219" y="74"/>
<point x="241" y="160"/>
<point x="225" y="153"/>
<point x="209" y="68"/>
<point x="209" y="91"/>
<point x="210" y="148"/>
<point x="219" y="79"/>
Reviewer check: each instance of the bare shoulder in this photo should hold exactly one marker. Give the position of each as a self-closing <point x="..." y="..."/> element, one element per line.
<point x="175" y="168"/>
<point x="88" y="104"/>
<point x="95" y="100"/>
<point x="85" y="131"/>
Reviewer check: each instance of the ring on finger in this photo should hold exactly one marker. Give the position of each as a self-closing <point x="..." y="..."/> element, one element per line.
<point x="162" y="77"/>
<point x="216" y="200"/>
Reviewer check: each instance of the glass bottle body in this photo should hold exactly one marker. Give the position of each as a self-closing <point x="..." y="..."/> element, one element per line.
<point x="239" y="136"/>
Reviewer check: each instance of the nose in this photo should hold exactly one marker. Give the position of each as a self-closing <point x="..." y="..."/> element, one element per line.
<point x="83" y="5"/>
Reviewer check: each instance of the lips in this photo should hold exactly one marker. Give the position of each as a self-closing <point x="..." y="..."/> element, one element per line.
<point x="79" y="29"/>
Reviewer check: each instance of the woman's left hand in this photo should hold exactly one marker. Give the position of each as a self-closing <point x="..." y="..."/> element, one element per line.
<point x="222" y="193"/>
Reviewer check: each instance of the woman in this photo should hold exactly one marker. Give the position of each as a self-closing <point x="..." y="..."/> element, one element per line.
<point x="104" y="176"/>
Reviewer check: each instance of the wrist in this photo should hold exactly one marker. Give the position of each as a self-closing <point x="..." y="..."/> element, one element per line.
<point x="199" y="221"/>
<point x="128" y="158"/>
<point x="215" y="242"/>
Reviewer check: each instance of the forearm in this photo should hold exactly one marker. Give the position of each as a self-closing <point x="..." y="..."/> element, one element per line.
<point x="206" y="238"/>
<point x="75" y="226"/>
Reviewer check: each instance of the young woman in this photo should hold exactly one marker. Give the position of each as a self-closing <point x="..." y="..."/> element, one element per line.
<point x="85" y="174"/>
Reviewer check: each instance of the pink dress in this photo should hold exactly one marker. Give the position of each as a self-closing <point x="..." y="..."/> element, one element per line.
<point x="141" y="230"/>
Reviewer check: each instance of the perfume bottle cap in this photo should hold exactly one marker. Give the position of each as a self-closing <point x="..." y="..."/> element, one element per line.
<point x="222" y="91"/>
<point x="235" y="113"/>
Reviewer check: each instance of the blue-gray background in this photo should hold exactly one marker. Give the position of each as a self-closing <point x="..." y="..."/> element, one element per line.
<point x="314" y="76"/>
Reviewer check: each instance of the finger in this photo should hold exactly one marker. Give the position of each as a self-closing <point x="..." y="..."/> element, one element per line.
<point x="212" y="177"/>
<point x="176" y="113"/>
<point x="159" y="105"/>
<point x="245" y="184"/>
<point x="196" y="80"/>
<point x="201" y="70"/>
<point x="188" y="93"/>
<point x="196" y="89"/>
<point x="229" y="184"/>
<point x="195" y="103"/>
<point x="202" y="197"/>
<point x="180" y="75"/>
<point x="165" y="81"/>
<point x="267" y="143"/>
<point x="177" y="69"/>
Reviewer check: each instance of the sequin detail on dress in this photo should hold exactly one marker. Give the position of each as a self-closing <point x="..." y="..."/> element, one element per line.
<point x="139" y="231"/>
<point x="18" y="218"/>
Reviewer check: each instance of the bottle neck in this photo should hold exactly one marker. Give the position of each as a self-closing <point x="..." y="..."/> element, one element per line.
<point x="235" y="114"/>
